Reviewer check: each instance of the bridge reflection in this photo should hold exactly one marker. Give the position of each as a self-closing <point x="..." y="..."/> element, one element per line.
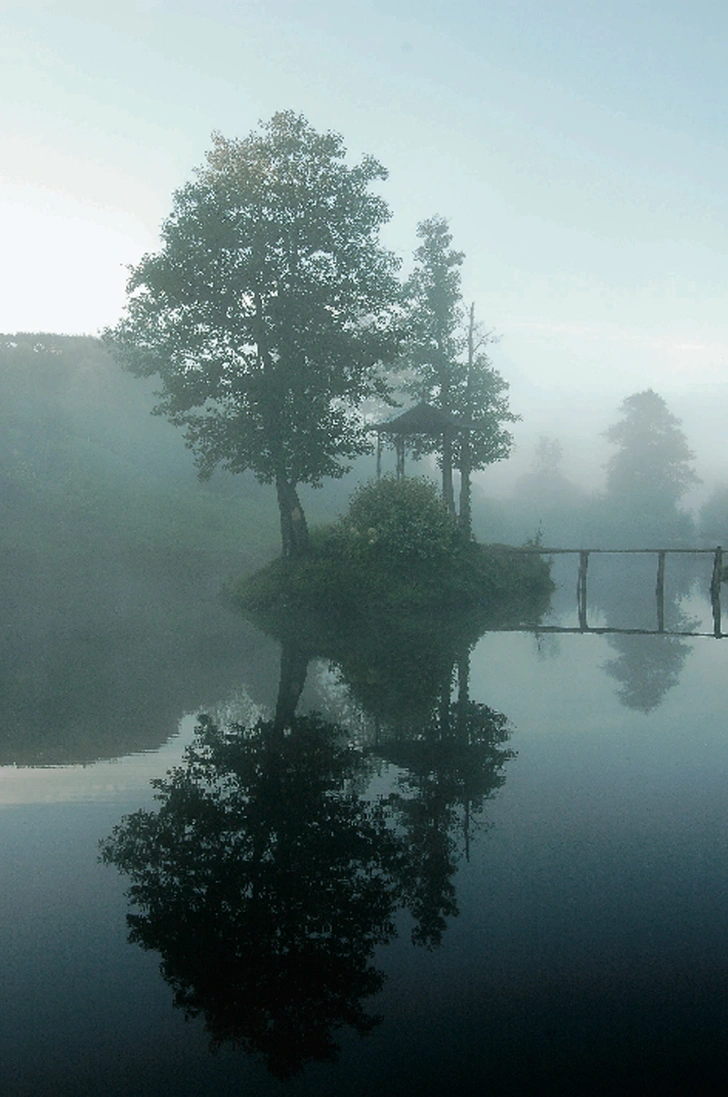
<point x="716" y="579"/>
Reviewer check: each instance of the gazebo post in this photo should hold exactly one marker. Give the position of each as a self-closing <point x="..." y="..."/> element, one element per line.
<point x="399" y="446"/>
<point x="424" y="419"/>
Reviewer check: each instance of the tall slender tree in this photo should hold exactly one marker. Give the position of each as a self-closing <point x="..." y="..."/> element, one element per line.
<point x="268" y="311"/>
<point x="449" y="368"/>
<point x="436" y="339"/>
<point x="480" y="399"/>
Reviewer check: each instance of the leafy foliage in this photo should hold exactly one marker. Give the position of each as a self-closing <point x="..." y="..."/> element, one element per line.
<point x="400" y="519"/>
<point x="265" y="879"/>
<point x="269" y="309"/>
<point x="265" y="882"/>
<point x="397" y="554"/>
<point x="452" y="765"/>
<point x="435" y="314"/>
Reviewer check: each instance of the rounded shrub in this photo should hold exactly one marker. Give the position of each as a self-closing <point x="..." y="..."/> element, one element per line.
<point x="399" y="519"/>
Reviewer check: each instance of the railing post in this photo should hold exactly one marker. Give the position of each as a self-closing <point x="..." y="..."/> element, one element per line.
<point x="660" y="591"/>
<point x="715" y="581"/>
<point x="581" y="596"/>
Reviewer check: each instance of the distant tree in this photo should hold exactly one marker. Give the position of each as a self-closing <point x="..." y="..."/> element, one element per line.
<point x="268" y="310"/>
<point x="548" y="456"/>
<point x="646" y="667"/>
<point x="546" y="482"/>
<point x="622" y="593"/>
<point x="448" y="368"/>
<point x="714" y="516"/>
<point x="548" y="495"/>
<point x="650" y="472"/>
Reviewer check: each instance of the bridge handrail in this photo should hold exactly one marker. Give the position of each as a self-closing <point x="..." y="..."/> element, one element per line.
<point x="543" y="551"/>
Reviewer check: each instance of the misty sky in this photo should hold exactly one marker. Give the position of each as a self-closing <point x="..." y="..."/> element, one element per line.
<point x="577" y="148"/>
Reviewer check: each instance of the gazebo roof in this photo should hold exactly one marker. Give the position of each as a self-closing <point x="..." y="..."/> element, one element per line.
<point x="422" y="419"/>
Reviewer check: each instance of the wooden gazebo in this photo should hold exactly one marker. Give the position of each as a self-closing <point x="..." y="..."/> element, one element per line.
<point x="421" y="419"/>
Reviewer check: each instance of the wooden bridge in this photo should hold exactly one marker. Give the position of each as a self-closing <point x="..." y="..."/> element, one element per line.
<point x="660" y="553"/>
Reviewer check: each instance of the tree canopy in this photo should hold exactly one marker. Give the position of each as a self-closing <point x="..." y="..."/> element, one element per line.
<point x="268" y="311"/>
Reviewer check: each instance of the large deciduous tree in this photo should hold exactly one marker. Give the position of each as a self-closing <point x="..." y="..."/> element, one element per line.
<point x="267" y="313"/>
<point x="448" y="366"/>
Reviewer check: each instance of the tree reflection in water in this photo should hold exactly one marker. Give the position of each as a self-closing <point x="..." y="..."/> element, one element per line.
<point x="645" y="666"/>
<point x="267" y="875"/>
<point x="265" y="882"/>
<point x="448" y="770"/>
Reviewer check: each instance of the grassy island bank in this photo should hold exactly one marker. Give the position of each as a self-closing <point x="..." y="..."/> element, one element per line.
<point x="397" y="554"/>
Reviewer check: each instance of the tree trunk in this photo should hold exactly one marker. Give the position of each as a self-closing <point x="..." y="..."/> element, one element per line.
<point x="294" y="531"/>
<point x="465" y="519"/>
<point x="448" y="493"/>
<point x="294" y="665"/>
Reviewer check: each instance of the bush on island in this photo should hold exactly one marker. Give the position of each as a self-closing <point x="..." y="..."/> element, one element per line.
<point x="397" y="552"/>
<point x="402" y="520"/>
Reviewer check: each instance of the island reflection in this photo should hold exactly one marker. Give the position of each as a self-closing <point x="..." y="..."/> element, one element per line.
<point x="280" y="852"/>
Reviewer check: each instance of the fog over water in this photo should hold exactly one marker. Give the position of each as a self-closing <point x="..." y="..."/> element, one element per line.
<point x="292" y="849"/>
<point x="543" y="846"/>
<point x="569" y="876"/>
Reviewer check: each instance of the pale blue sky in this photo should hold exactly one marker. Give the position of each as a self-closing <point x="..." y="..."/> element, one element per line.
<point x="578" y="149"/>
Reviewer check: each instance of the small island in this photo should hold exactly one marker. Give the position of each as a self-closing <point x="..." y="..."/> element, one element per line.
<point x="396" y="555"/>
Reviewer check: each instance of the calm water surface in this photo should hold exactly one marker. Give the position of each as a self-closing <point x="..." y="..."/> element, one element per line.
<point x="583" y="946"/>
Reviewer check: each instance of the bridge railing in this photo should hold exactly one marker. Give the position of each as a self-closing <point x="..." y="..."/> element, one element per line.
<point x="661" y="553"/>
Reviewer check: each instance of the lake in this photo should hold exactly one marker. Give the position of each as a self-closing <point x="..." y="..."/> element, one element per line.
<point x="520" y="887"/>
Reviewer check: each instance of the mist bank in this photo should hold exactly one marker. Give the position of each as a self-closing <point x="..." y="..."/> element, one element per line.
<point x="90" y="480"/>
<point x="113" y="553"/>
<point x="652" y="487"/>
<point x="578" y="417"/>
